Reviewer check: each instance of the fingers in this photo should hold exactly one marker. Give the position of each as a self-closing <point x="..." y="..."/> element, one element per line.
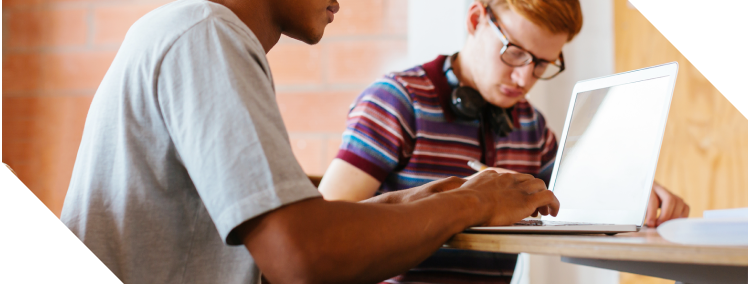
<point x="654" y="203"/>
<point x="544" y="210"/>
<point x="672" y="206"/>
<point x="545" y="201"/>
<point x="678" y="206"/>
<point x="522" y="177"/>
<point x="666" y="209"/>
<point x="531" y="186"/>
<point x="686" y="211"/>
<point x="677" y="209"/>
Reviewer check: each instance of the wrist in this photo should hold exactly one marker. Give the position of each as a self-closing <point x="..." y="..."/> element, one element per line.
<point x="469" y="206"/>
<point x="386" y="198"/>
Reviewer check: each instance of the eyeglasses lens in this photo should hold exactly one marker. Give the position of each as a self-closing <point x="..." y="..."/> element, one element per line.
<point x="517" y="57"/>
<point x="546" y="70"/>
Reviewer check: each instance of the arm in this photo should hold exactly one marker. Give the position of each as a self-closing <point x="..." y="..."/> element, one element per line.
<point x="345" y="182"/>
<point x="318" y="241"/>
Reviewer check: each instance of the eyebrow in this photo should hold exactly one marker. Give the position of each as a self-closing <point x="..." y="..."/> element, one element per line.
<point x="515" y="42"/>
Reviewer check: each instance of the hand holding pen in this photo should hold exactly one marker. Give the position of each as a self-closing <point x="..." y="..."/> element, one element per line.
<point x="479" y="167"/>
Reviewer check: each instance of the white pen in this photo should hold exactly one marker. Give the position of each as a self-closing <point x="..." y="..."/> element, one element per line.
<point x="476" y="165"/>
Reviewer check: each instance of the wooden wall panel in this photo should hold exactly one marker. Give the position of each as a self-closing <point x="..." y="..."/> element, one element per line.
<point x="704" y="156"/>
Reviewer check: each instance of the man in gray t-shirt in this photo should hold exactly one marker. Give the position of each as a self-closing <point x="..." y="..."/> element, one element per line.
<point x="184" y="158"/>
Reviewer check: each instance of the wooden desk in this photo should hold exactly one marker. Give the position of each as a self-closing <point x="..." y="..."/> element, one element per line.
<point x="644" y="253"/>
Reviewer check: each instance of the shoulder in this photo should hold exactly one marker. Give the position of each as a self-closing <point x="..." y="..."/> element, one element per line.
<point x="396" y="85"/>
<point x="195" y="21"/>
<point x="414" y="80"/>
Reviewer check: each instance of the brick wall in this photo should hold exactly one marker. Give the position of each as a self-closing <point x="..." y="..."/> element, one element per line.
<point x="55" y="53"/>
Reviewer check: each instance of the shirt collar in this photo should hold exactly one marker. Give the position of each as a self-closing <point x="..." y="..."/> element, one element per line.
<point x="435" y="73"/>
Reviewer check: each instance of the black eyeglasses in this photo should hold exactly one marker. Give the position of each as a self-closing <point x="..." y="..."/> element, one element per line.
<point x="516" y="56"/>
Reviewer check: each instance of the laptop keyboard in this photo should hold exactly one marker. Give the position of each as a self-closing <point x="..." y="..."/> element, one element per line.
<point x="532" y="222"/>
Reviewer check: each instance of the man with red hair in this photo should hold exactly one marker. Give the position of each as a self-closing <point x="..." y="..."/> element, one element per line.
<point x="426" y="123"/>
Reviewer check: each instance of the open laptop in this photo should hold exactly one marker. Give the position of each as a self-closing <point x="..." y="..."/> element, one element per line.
<point x="607" y="154"/>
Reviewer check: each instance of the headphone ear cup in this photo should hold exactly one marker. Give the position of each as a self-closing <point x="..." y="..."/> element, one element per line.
<point x="467" y="103"/>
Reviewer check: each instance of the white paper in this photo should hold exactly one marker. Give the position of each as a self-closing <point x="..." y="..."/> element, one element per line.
<point x="726" y="213"/>
<point x="713" y="231"/>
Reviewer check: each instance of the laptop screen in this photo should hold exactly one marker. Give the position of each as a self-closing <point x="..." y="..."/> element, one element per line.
<point x="610" y="154"/>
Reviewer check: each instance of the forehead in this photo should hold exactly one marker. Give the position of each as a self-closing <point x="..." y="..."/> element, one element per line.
<point x="521" y="31"/>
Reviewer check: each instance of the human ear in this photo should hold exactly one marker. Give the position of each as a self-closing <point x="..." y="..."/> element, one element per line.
<point x="475" y="13"/>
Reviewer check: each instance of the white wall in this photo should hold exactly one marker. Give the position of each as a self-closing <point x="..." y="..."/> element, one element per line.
<point x="589" y="55"/>
<point x="435" y="27"/>
<point x="438" y="27"/>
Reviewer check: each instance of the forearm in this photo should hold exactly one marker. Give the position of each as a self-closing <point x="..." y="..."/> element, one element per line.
<point x="345" y="182"/>
<point x="320" y="239"/>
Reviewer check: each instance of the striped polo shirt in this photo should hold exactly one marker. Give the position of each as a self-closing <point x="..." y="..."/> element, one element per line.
<point x="401" y="131"/>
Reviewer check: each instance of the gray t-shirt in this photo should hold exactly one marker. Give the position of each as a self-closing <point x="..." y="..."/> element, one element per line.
<point x="183" y="142"/>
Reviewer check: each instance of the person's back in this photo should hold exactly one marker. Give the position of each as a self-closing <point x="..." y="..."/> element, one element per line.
<point x="131" y="200"/>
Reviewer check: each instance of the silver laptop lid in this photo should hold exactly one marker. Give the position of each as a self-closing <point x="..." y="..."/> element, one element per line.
<point x="610" y="144"/>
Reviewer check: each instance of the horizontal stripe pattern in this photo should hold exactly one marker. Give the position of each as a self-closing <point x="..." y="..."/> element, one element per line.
<point x="397" y="132"/>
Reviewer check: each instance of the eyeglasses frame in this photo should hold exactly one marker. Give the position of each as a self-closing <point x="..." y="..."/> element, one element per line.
<point x="535" y="60"/>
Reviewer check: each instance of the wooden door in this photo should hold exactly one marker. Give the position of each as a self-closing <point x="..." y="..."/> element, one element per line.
<point x="704" y="156"/>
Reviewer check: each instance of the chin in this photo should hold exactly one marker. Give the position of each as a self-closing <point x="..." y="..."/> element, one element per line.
<point x="505" y="102"/>
<point x="315" y="39"/>
<point x="308" y="38"/>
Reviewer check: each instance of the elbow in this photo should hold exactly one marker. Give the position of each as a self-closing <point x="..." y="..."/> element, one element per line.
<point x="305" y="266"/>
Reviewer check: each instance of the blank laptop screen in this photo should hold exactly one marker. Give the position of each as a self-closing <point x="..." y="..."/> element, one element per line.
<point x="610" y="153"/>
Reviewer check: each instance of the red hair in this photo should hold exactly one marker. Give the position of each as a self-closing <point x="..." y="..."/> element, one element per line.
<point x="556" y="16"/>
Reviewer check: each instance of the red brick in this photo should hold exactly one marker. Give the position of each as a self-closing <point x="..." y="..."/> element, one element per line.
<point x="19" y="129"/>
<point x="25" y="29"/>
<point x="308" y="152"/>
<point x="79" y="1"/>
<point x="75" y="71"/>
<point x="21" y="3"/>
<point x="315" y="112"/>
<point x="296" y="63"/>
<point x="59" y="27"/>
<point x="113" y="21"/>
<point x="21" y="72"/>
<point x="66" y="27"/>
<point x="362" y="62"/>
<point x="360" y="17"/>
<point x="44" y="152"/>
<point x="15" y="152"/>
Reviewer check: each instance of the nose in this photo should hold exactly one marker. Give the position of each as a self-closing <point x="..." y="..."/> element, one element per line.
<point x="335" y="7"/>
<point x="522" y="75"/>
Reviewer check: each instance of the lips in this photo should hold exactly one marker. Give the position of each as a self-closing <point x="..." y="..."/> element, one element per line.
<point x="511" y="92"/>
<point x="331" y="11"/>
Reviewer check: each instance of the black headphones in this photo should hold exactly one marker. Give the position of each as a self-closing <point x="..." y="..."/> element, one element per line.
<point x="468" y="104"/>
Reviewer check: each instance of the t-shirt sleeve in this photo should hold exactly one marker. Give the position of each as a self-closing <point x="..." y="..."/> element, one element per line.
<point x="548" y="153"/>
<point x="379" y="132"/>
<point x="217" y="101"/>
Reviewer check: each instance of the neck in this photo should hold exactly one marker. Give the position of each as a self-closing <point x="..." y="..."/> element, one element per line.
<point x="258" y="16"/>
<point x="461" y="70"/>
